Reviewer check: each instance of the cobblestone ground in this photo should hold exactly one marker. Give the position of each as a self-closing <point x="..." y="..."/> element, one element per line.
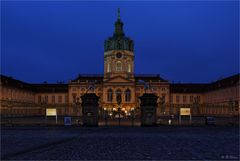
<point x="120" y="143"/>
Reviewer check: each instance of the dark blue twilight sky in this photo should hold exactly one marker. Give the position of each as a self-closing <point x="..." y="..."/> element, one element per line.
<point x="181" y="41"/>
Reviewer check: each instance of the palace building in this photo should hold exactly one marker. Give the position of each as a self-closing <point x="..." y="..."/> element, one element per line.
<point x="23" y="99"/>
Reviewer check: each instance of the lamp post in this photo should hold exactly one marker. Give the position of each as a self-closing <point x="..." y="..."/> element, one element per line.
<point x="119" y="101"/>
<point x="132" y="115"/>
<point x="105" y="115"/>
<point x="119" y="112"/>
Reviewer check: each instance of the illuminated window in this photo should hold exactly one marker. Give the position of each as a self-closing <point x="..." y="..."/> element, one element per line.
<point x="109" y="95"/>
<point x="129" y="67"/>
<point x="108" y="67"/>
<point x="119" y="66"/>
<point x="127" y="95"/>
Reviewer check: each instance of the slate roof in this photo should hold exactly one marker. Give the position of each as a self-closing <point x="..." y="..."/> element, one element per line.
<point x="201" y="88"/>
<point x="9" y="81"/>
<point x="174" y="88"/>
<point x="188" y="88"/>
<point x="90" y="77"/>
<point x="225" y="82"/>
<point x="148" y="77"/>
<point x="50" y="88"/>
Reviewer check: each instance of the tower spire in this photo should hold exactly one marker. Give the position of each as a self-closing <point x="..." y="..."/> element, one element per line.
<point x="118" y="17"/>
<point x="118" y="25"/>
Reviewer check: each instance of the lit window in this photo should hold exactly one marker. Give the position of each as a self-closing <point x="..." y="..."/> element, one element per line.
<point x="119" y="66"/>
<point x="129" y="67"/>
<point x="108" y="67"/>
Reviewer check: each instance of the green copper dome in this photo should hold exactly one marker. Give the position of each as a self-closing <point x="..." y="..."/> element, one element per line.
<point x="118" y="41"/>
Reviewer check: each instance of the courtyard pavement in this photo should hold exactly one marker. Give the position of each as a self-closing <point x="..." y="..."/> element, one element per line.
<point x="120" y="143"/>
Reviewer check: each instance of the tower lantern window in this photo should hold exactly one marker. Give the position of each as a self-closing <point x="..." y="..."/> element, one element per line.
<point x="119" y="66"/>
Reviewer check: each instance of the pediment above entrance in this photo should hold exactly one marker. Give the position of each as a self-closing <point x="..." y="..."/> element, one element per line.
<point x="118" y="79"/>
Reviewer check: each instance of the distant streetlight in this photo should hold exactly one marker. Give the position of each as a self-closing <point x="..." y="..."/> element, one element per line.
<point x="132" y="115"/>
<point x="119" y="101"/>
<point x="105" y="115"/>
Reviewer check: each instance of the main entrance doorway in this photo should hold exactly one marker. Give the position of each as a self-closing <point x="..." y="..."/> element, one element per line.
<point x="120" y="116"/>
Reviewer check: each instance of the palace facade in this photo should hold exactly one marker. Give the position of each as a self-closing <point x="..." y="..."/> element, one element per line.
<point x="218" y="98"/>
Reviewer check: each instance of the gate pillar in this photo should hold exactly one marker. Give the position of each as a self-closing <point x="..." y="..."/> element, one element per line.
<point x="90" y="108"/>
<point x="148" y="109"/>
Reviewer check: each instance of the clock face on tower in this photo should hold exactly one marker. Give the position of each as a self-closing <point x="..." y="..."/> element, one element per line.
<point x="119" y="55"/>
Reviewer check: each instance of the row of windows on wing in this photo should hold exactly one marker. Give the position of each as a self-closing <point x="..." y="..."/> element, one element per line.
<point x="118" y="67"/>
<point x="184" y="99"/>
<point x="54" y="99"/>
<point x="127" y="95"/>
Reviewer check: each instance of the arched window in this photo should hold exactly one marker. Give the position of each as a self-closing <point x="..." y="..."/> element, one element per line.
<point x="127" y="95"/>
<point x="118" y="92"/>
<point x="108" y="67"/>
<point x="109" y="95"/>
<point x="129" y="67"/>
<point x="119" y="66"/>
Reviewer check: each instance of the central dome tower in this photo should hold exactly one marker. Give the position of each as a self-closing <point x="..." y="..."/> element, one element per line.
<point x="118" y="53"/>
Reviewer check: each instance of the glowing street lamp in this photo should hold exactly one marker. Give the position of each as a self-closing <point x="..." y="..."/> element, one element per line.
<point x="105" y="115"/>
<point x="119" y="101"/>
<point x="132" y="115"/>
